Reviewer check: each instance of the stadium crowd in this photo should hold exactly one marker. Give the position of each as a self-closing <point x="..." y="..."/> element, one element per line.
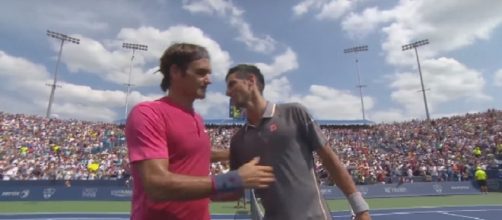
<point x="445" y="149"/>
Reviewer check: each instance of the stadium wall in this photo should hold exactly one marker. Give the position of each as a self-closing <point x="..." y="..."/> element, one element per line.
<point x="408" y="189"/>
<point x="113" y="191"/>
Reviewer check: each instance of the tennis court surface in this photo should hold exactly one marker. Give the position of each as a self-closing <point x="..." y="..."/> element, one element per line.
<point x="430" y="213"/>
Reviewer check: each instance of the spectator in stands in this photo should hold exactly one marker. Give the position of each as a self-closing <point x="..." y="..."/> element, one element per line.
<point x="384" y="146"/>
<point x="481" y="178"/>
<point x="477" y="151"/>
<point x="67" y="183"/>
<point x="499" y="145"/>
<point x="285" y="136"/>
<point x="169" y="148"/>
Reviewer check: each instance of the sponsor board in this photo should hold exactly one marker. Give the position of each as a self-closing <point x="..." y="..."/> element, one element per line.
<point x="89" y="192"/>
<point x="48" y="193"/>
<point x="121" y="193"/>
<point x="23" y="194"/>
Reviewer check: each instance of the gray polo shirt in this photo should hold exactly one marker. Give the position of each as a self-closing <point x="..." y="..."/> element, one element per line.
<point x="285" y="139"/>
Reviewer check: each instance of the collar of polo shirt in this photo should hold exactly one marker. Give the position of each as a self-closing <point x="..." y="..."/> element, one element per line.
<point x="268" y="113"/>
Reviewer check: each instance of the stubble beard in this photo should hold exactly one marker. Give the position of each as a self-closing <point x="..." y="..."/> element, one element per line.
<point x="240" y="104"/>
<point x="201" y="93"/>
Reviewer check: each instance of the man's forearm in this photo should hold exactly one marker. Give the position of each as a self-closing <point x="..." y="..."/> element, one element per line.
<point x="179" y="187"/>
<point x="182" y="187"/>
<point x="337" y="171"/>
<point x="344" y="181"/>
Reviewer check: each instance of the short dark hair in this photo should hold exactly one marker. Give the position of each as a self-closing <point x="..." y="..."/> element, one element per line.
<point x="181" y="55"/>
<point x="244" y="70"/>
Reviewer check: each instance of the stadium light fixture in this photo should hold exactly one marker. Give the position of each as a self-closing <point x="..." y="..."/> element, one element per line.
<point x="356" y="50"/>
<point x="414" y="46"/>
<point x="63" y="38"/>
<point x="133" y="47"/>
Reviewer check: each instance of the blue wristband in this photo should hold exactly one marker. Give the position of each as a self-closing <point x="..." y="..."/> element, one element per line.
<point x="228" y="182"/>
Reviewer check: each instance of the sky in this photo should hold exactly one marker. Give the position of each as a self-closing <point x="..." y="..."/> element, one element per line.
<point x="298" y="45"/>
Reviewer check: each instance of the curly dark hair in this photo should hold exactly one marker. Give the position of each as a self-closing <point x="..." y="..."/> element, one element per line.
<point x="243" y="70"/>
<point x="181" y="55"/>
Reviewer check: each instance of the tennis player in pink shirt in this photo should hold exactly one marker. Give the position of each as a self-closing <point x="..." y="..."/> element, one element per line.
<point x="169" y="148"/>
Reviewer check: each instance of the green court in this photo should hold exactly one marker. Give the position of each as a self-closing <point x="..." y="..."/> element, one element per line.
<point x="228" y="207"/>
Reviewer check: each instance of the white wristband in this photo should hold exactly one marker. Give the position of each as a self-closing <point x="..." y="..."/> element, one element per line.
<point x="358" y="203"/>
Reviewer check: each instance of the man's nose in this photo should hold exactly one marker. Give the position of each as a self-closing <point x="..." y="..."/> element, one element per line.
<point x="208" y="80"/>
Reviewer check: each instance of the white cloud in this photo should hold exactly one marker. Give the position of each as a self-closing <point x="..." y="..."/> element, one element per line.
<point x="447" y="79"/>
<point x="84" y="19"/>
<point x="70" y="16"/>
<point x="111" y="62"/>
<point x="159" y="40"/>
<point x="326" y="9"/>
<point x="68" y="110"/>
<point x="22" y="68"/>
<point x="497" y="78"/>
<point x="359" y="25"/>
<point x="16" y="105"/>
<point x="453" y="80"/>
<point x="416" y="20"/>
<point x="477" y="21"/>
<point x="234" y="15"/>
<point x="278" y="90"/>
<point x="335" y="9"/>
<point x="388" y="116"/>
<point x="25" y="85"/>
<point x="330" y="103"/>
<point x="215" y="105"/>
<point x="448" y="25"/>
<point x="211" y="7"/>
<point x="282" y="64"/>
<point x="303" y="7"/>
<point x="323" y="101"/>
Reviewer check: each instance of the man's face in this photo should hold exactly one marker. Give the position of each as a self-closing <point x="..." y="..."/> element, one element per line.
<point x="239" y="90"/>
<point x="197" y="78"/>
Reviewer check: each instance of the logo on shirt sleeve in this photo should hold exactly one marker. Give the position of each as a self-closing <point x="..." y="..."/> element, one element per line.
<point x="272" y="127"/>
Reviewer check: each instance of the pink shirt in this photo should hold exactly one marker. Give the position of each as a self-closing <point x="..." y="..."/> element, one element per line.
<point x="161" y="129"/>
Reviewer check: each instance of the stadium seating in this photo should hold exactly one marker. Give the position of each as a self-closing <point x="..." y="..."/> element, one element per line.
<point x="37" y="148"/>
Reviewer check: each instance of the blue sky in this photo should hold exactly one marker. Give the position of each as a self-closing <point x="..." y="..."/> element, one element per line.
<point x="298" y="44"/>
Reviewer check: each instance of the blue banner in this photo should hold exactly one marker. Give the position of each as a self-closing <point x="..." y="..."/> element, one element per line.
<point x="494" y="185"/>
<point x="407" y="189"/>
<point x="120" y="193"/>
<point x="40" y="193"/>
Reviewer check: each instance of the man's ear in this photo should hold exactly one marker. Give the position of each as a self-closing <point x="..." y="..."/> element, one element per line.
<point x="174" y="71"/>
<point x="251" y="78"/>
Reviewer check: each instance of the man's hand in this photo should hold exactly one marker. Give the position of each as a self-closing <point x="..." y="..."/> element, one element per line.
<point x="256" y="176"/>
<point x="362" y="216"/>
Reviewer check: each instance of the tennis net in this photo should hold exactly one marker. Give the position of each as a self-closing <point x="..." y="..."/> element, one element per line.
<point x="257" y="212"/>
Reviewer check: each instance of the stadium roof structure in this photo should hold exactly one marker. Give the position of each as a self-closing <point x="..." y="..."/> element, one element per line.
<point x="230" y="121"/>
<point x="227" y="121"/>
<point x="120" y="122"/>
<point x="345" y="122"/>
<point x="233" y="122"/>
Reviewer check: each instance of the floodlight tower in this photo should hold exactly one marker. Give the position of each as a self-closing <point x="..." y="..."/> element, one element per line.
<point x="133" y="47"/>
<point x="414" y="45"/>
<point x="356" y="50"/>
<point x="63" y="38"/>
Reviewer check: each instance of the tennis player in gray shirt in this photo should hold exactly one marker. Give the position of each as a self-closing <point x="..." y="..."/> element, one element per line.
<point x="285" y="136"/>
